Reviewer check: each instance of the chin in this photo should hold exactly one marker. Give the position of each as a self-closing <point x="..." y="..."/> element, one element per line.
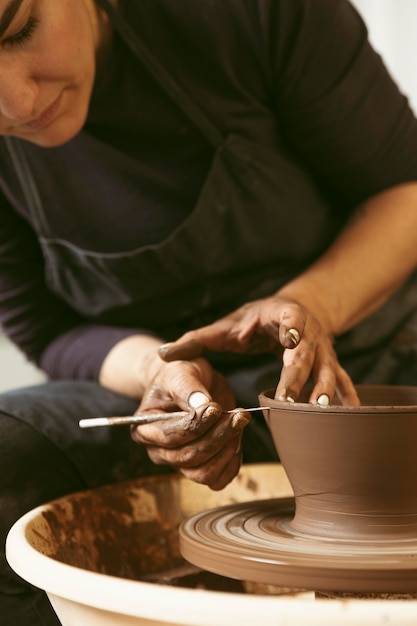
<point x="58" y="133"/>
<point x="51" y="142"/>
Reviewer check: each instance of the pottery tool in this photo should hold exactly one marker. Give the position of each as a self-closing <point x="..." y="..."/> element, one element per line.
<point x="148" y="418"/>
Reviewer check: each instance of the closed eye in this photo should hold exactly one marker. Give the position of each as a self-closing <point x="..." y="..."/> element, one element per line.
<point x="24" y="35"/>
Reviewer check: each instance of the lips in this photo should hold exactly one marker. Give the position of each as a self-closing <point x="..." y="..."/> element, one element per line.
<point x="46" y="117"/>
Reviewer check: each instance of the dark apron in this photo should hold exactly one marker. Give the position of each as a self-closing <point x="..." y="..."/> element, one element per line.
<point x="258" y="222"/>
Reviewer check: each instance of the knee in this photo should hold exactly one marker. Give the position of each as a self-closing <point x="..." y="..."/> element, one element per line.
<point x="32" y="471"/>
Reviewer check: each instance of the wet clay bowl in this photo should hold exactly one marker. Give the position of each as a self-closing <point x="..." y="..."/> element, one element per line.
<point x="353" y="469"/>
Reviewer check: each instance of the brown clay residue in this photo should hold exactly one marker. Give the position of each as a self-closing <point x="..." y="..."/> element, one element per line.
<point x="117" y="531"/>
<point x="252" y="485"/>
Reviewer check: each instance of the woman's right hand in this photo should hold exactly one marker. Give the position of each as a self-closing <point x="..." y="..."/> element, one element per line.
<point x="205" y="445"/>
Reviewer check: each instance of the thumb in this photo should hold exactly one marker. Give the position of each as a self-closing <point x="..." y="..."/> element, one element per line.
<point x="197" y="399"/>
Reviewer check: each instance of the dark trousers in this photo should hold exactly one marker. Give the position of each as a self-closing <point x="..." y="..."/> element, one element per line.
<point x="45" y="455"/>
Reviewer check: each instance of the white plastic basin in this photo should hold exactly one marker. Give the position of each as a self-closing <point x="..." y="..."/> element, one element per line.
<point x="93" y="552"/>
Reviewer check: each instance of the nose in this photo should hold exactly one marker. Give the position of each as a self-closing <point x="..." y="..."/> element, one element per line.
<point x="18" y="94"/>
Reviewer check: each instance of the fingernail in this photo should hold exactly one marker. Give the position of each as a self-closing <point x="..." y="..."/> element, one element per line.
<point x="240" y="419"/>
<point x="294" y="336"/>
<point x="290" y="399"/>
<point x="162" y="350"/>
<point x="212" y="411"/>
<point x="197" y="398"/>
<point x="323" y="400"/>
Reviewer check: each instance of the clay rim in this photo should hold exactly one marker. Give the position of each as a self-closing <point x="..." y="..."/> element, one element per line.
<point x="266" y="399"/>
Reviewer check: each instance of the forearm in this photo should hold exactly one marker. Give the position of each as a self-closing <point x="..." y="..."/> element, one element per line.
<point x="369" y="261"/>
<point x="130" y="365"/>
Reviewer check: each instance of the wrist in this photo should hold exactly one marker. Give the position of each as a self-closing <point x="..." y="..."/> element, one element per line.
<point x="131" y="364"/>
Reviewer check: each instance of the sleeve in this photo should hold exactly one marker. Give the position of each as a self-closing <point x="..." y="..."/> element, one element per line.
<point x="46" y="330"/>
<point x="338" y="106"/>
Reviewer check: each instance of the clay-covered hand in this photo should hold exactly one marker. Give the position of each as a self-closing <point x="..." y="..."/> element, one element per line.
<point x="205" y="445"/>
<point x="285" y="328"/>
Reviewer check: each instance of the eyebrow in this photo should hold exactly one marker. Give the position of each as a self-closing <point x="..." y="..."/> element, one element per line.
<point x="9" y="14"/>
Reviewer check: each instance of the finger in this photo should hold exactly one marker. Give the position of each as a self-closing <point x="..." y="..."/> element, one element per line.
<point x="188" y="443"/>
<point x="324" y="374"/>
<point x="182" y="349"/>
<point x="194" y="343"/>
<point x="286" y="323"/>
<point x="346" y="389"/>
<point x="182" y="384"/>
<point x="223" y="335"/>
<point x="297" y="366"/>
<point x="216" y="473"/>
<point x="197" y="399"/>
<point x="289" y="337"/>
<point x="219" y="472"/>
<point x="177" y="432"/>
<point x="329" y="377"/>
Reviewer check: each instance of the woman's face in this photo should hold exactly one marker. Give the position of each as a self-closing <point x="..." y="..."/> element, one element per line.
<point x="47" y="68"/>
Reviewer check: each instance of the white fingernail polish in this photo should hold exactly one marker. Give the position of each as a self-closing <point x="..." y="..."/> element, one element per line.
<point x="290" y="399"/>
<point x="323" y="400"/>
<point x="197" y="398"/>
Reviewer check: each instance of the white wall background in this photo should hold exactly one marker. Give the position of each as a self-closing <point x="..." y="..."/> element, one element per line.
<point x="15" y="371"/>
<point x="392" y="30"/>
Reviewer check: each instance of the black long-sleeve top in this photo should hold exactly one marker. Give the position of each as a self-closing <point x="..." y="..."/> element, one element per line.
<point x="297" y="75"/>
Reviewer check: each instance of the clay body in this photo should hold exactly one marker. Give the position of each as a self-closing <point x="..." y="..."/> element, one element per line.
<point x="353" y="469"/>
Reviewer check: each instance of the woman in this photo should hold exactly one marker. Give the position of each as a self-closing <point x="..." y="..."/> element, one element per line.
<point x="199" y="200"/>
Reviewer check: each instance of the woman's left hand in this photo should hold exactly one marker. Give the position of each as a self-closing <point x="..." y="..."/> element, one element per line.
<point x="285" y="328"/>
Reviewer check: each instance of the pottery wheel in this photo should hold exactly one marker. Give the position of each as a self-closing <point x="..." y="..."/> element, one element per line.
<point x="252" y="541"/>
